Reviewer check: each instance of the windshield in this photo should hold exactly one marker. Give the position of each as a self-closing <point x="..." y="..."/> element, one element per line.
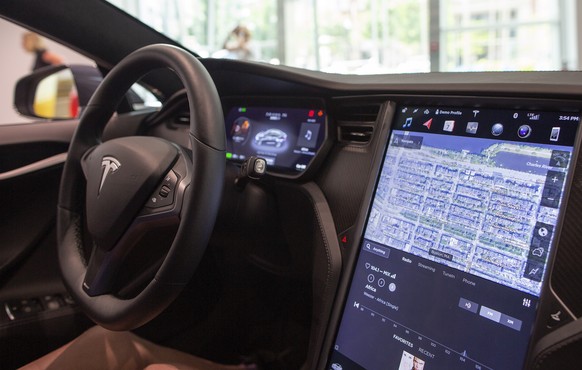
<point x="373" y="36"/>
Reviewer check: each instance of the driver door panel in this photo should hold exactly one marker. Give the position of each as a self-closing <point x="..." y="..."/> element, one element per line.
<point x="30" y="168"/>
<point x="36" y="314"/>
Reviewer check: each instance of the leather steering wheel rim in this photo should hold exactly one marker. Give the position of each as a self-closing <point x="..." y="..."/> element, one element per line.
<point x="198" y="205"/>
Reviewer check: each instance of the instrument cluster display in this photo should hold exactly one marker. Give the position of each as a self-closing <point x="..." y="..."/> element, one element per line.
<point x="287" y="138"/>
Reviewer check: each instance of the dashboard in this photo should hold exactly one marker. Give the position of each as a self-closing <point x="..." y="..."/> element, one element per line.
<point x="432" y="292"/>
<point x="449" y="213"/>
<point x="436" y="220"/>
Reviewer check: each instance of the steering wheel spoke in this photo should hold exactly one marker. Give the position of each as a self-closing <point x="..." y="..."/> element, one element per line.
<point x="101" y="271"/>
<point x="104" y="265"/>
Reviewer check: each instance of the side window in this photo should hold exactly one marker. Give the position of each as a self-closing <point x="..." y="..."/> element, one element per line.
<point x="22" y="52"/>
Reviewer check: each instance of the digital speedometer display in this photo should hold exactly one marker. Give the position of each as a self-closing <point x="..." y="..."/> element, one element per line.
<point x="287" y="138"/>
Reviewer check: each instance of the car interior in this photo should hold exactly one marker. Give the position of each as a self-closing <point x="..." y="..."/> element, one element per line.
<point x="289" y="218"/>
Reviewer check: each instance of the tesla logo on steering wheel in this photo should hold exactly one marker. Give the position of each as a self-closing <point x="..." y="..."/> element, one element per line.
<point x="110" y="165"/>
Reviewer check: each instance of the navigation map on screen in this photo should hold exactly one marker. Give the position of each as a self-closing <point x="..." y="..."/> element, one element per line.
<point x="484" y="207"/>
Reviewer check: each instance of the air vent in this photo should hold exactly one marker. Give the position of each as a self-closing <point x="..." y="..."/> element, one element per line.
<point x="356" y="122"/>
<point x="361" y="134"/>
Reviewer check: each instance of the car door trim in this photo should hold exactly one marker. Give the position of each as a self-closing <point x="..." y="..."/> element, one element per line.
<point x="34" y="167"/>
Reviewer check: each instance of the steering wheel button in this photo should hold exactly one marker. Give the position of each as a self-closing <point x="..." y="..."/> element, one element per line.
<point x="155" y="201"/>
<point x="165" y="191"/>
<point x="164" y="195"/>
<point x="171" y="179"/>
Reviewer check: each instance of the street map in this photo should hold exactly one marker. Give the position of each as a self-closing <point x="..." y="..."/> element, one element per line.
<point x="482" y="206"/>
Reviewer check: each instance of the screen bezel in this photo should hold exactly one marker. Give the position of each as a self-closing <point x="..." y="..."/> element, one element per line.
<point x="546" y="296"/>
<point x="231" y="102"/>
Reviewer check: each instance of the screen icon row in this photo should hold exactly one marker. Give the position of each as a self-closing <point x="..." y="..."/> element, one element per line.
<point x="523" y="132"/>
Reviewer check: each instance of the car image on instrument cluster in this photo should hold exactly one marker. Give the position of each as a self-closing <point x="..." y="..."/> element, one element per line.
<point x="271" y="137"/>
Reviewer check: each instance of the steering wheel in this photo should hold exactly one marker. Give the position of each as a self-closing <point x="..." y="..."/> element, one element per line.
<point x="111" y="192"/>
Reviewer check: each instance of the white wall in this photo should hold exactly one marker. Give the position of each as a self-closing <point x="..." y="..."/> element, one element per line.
<point x="16" y="62"/>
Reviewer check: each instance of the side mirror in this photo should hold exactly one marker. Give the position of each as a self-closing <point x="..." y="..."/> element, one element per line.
<point x="56" y="92"/>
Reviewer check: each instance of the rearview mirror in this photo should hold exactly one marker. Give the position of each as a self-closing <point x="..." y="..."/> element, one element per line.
<point x="56" y="92"/>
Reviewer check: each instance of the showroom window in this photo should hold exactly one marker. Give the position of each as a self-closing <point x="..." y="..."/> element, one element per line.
<point x="374" y="36"/>
<point x="501" y="35"/>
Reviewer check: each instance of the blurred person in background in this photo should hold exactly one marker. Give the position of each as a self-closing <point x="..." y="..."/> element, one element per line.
<point x="236" y="45"/>
<point x="33" y="43"/>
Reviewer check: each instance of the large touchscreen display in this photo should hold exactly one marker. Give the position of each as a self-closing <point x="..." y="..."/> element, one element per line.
<point x="287" y="138"/>
<point x="458" y="239"/>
